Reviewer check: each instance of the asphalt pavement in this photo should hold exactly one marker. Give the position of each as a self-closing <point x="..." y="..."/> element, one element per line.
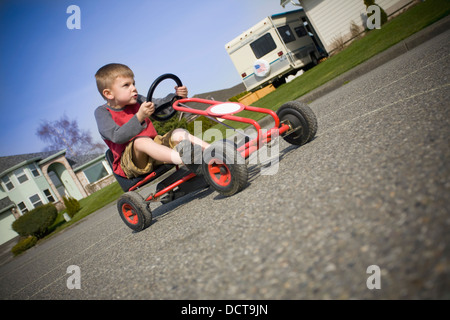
<point x="360" y="212"/>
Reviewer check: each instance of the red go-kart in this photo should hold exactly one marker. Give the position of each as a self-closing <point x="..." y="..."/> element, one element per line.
<point x="224" y="165"/>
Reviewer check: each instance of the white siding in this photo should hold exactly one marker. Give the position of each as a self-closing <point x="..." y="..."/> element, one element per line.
<point x="332" y="19"/>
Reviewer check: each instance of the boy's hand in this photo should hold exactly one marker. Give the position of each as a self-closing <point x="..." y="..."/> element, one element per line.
<point x="181" y="91"/>
<point x="145" y="110"/>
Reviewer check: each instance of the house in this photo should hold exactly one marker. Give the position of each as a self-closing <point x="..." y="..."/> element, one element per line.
<point x="332" y="19"/>
<point x="30" y="180"/>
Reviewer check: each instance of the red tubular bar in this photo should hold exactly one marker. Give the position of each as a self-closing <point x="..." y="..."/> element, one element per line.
<point x="261" y="110"/>
<point x="251" y="146"/>
<point x="172" y="186"/>
<point x="144" y="181"/>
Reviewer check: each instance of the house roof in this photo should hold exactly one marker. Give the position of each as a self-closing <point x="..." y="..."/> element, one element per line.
<point x="79" y="161"/>
<point x="219" y="95"/>
<point x="10" y="161"/>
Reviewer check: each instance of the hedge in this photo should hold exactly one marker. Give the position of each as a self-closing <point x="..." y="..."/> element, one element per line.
<point x="36" y="222"/>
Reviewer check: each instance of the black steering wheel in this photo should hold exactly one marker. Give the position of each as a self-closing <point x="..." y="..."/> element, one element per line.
<point x="164" y="111"/>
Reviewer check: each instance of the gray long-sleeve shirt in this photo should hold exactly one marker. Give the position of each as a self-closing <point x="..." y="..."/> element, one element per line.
<point x="109" y="130"/>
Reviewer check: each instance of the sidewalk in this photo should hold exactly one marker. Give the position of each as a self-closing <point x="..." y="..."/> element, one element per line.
<point x="393" y="52"/>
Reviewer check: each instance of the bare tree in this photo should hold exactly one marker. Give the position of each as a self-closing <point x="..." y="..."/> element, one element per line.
<point x="66" y="134"/>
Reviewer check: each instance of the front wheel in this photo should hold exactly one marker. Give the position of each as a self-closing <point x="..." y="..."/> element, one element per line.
<point x="301" y="120"/>
<point x="134" y="211"/>
<point x="224" y="169"/>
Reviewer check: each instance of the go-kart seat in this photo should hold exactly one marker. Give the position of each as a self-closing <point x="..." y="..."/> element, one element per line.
<point x="125" y="183"/>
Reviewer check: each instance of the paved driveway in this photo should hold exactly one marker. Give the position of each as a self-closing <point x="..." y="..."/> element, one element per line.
<point x="370" y="190"/>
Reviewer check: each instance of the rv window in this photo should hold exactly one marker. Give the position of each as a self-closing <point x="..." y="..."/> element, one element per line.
<point x="301" y="31"/>
<point x="286" y="34"/>
<point x="263" y="45"/>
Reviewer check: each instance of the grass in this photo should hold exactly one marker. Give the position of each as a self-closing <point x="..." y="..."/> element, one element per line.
<point x="375" y="42"/>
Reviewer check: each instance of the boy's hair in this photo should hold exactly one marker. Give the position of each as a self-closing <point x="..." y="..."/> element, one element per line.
<point x="106" y="75"/>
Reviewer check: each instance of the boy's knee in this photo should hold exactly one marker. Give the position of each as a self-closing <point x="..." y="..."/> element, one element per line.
<point x="180" y="134"/>
<point x="139" y="142"/>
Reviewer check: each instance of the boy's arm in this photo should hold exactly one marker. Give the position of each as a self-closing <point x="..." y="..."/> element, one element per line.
<point x="180" y="91"/>
<point x="111" y="131"/>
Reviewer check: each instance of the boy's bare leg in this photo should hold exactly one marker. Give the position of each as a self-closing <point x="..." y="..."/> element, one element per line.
<point x="145" y="147"/>
<point x="181" y="134"/>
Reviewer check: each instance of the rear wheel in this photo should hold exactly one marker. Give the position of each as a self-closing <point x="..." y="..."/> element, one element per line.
<point x="134" y="211"/>
<point x="224" y="168"/>
<point x="301" y="119"/>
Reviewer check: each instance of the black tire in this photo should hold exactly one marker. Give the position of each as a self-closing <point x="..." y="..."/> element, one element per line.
<point x="301" y="118"/>
<point x="134" y="211"/>
<point x="224" y="169"/>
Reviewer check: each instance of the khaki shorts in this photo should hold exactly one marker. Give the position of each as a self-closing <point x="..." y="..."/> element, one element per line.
<point x="127" y="164"/>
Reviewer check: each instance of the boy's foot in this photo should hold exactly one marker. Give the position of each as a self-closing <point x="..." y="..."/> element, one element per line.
<point x="191" y="155"/>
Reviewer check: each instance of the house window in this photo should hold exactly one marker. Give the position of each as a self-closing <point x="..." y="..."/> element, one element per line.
<point x="34" y="170"/>
<point x="95" y="172"/>
<point x="286" y="34"/>
<point x="21" y="175"/>
<point x="7" y="182"/>
<point x="49" y="195"/>
<point x="263" y="45"/>
<point x="22" y="207"/>
<point x="36" y="201"/>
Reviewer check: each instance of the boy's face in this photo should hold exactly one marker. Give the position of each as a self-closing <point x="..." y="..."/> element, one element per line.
<point x="122" y="92"/>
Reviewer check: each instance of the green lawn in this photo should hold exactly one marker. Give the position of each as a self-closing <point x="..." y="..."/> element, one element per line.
<point x="88" y="205"/>
<point x="376" y="41"/>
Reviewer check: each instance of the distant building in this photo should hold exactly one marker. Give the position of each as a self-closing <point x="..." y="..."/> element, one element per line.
<point x="30" y="180"/>
<point x="332" y="19"/>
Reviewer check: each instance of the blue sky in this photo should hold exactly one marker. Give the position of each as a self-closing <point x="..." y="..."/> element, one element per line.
<point x="47" y="70"/>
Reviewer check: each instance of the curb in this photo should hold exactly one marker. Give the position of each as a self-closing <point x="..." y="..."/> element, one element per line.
<point x="389" y="54"/>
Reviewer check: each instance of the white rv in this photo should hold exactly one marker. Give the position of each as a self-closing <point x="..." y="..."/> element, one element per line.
<point x="277" y="46"/>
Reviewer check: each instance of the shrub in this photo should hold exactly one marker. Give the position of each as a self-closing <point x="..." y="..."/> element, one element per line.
<point x="72" y="206"/>
<point x="165" y="126"/>
<point x="23" y="245"/>
<point x="205" y="122"/>
<point x="36" y="222"/>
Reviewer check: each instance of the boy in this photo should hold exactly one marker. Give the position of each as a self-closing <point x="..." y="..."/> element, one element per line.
<point x="125" y="126"/>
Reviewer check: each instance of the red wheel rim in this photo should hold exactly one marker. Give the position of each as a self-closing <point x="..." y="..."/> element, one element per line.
<point x="219" y="173"/>
<point x="129" y="214"/>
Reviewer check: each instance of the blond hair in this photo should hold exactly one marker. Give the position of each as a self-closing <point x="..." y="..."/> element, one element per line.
<point x="106" y="75"/>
